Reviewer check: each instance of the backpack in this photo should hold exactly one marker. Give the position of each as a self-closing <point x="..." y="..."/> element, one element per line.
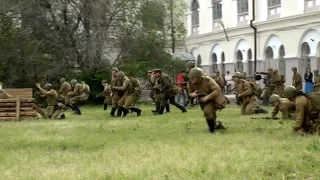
<point x="315" y="99"/>
<point x="86" y="88"/>
<point x="135" y="83"/>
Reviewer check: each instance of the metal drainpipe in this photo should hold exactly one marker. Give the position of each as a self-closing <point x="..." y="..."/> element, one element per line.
<point x="254" y="34"/>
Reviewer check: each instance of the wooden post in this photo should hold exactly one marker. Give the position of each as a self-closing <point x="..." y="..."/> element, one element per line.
<point x="18" y="108"/>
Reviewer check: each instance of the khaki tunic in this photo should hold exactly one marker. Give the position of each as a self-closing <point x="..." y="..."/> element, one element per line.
<point x="272" y="82"/>
<point x="116" y="95"/>
<point x="107" y="94"/>
<point x="63" y="91"/>
<point x="52" y="100"/>
<point x="286" y="107"/>
<point x="281" y="80"/>
<point x="219" y="80"/>
<point x="167" y="90"/>
<point x="247" y="97"/>
<point x="217" y="100"/>
<point x="127" y="100"/>
<point x="303" y="118"/>
<point x="77" y="95"/>
<point x="317" y="83"/>
<point x="296" y="81"/>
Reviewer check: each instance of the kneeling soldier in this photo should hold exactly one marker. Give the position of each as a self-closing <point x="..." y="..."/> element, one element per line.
<point x="127" y="100"/>
<point x="283" y="105"/>
<point x="246" y="96"/>
<point x="212" y="100"/>
<point x="76" y="96"/>
<point x="53" y="110"/>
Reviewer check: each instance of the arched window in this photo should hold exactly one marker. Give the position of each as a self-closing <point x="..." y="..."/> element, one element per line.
<point x="239" y="61"/>
<point x="282" y="61"/>
<point x="269" y="58"/>
<point x="305" y="52"/>
<point x="214" y="62"/>
<point x="199" y="62"/>
<point x="195" y="16"/>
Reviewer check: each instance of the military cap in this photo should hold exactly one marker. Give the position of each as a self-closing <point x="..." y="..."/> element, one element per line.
<point x="114" y="69"/>
<point x="274" y="98"/>
<point x="73" y="81"/>
<point x="120" y="74"/>
<point x="157" y="70"/>
<point x="195" y="72"/>
<point x="294" y="68"/>
<point x="104" y="81"/>
<point x="190" y="64"/>
<point x="237" y="74"/>
<point x="316" y="71"/>
<point x="47" y="86"/>
<point x="290" y="91"/>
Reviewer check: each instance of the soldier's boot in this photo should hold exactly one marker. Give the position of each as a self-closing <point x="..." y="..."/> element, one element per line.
<point x="113" y="110"/>
<point x="161" y="110"/>
<point x="119" y="111"/>
<point x="125" y="112"/>
<point x="77" y="109"/>
<point x="71" y="107"/>
<point x="167" y="107"/>
<point x="211" y="124"/>
<point x="220" y="126"/>
<point x="62" y="116"/>
<point x="179" y="106"/>
<point x="137" y="110"/>
<point x="105" y="106"/>
<point x="260" y="111"/>
<point x="155" y="112"/>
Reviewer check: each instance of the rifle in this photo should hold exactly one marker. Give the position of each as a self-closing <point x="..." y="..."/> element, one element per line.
<point x="268" y="118"/>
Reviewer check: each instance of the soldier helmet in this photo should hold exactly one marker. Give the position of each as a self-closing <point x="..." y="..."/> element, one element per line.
<point x="149" y="71"/>
<point x="195" y="72"/>
<point x="120" y="74"/>
<point x="217" y="71"/>
<point x="290" y="92"/>
<point x="190" y="64"/>
<point x="294" y="68"/>
<point x="274" y="98"/>
<point x="73" y="82"/>
<point x="244" y="74"/>
<point x="316" y="71"/>
<point x="47" y="86"/>
<point x="114" y="69"/>
<point x="104" y="81"/>
<point x="237" y="74"/>
<point x="62" y="80"/>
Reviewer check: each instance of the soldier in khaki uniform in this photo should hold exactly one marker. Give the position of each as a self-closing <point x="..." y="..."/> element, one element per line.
<point x="316" y="80"/>
<point x="64" y="89"/>
<point x="107" y="94"/>
<point x="306" y="110"/>
<point x="86" y="90"/>
<point x="116" y="95"/>
<point x="53" y="111"/>
<point x="219" y="80"/>
<point x="296" y="79"/>
<point x="272" y="81"/>
<point x="212" y="98"/>
<point x="280" y="83"/>
<point x="5" y="95"/>
<point x="285" y="106"/>
<point x="246" y="96"/>
<point x="127" y="100"/>
<point x="167" y="91"/>
<point x="76" y="96"/>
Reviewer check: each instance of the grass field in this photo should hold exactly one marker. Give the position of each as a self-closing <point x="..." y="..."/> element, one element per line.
<point x="172" y="146"/>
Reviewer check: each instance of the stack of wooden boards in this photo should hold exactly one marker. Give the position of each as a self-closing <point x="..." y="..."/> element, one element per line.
<point x="22" y="106"/>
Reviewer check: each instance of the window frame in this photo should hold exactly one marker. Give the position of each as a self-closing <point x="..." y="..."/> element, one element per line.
<point x="216" y="11"/>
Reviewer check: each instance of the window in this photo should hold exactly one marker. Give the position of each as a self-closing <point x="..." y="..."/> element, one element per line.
<point x="273" y="3"/>
<point x="243" y="6"/>
<point x="310" y="6"/>
<point x="195" y="14"/>
<point x="216" y="9"/>
<point x="214" y="62"/>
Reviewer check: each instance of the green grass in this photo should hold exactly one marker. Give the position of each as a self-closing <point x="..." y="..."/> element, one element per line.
<point x="172" y="146"/>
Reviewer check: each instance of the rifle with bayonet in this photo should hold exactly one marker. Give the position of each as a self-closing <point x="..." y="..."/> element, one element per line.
<point x="268" y="118"/>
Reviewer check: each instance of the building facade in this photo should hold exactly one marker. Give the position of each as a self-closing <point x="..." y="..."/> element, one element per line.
<point x="288" y="35"/>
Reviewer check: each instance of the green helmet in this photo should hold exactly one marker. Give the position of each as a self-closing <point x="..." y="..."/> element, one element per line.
<point x="62" y="80"/>
<point x="114" y="69"/>
<point x="195" y="72"/>
<point x="47" y="86"/>
<point x="274" y="98"/>
<point x="104" y="81"/>
<point x="73" y="82"/>
<point x="244" y="74"/>
<point x="294" y="68"/>
<point x="190" y="64"/>
<point x="120" y="74"/>
<point x="237" y="74"/>
<point x="290" y="91"/>
<point x="316" y="71"/>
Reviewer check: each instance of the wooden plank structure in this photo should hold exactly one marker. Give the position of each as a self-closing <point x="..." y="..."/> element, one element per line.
<point x="22" y="106"/>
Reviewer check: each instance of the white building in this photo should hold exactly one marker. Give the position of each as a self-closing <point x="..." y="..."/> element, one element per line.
<point x="287" y="35"/>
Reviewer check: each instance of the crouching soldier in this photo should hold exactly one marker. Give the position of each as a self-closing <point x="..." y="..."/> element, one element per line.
<point x="167" y="91"/>
<point x="64" y="89"/>
<point x="212" y="100"/>
<point x="76" y="96"/>
<point x="307" y="109"/>
<point x="53" y="110"/>
<point x="246" y="96"/>
<point x="283" y="105"/>
<point x="127" y="100"/>
<point x="5" y="95"/>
